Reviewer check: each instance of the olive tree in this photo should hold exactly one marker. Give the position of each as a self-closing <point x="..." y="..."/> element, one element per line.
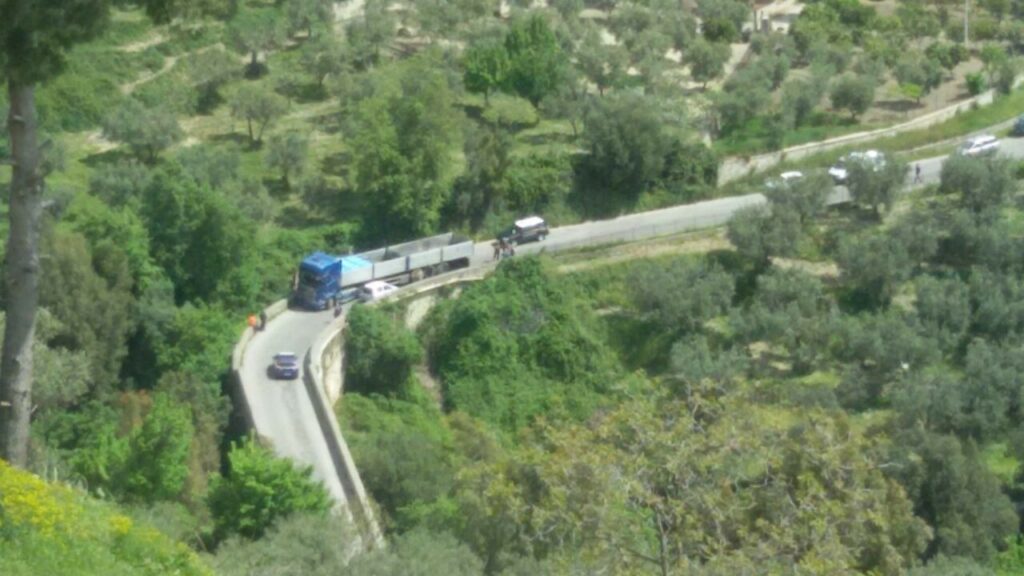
<point x="853" y="93"/>
<point x="259" y="107"/>
<point x="145" y="132"/>
<point x="255" y="31"/>
<point x="984" y="184"/>
<point x="875" y="184"/>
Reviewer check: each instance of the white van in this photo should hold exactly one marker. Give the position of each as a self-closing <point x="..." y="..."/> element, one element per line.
<point x="375" y="290"/>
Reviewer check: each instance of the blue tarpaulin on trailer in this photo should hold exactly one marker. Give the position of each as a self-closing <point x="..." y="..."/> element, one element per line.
<point x="354" y="263"/>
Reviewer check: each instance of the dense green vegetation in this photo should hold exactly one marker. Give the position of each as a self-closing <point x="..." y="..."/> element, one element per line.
<point x="52" y="529"/>
<point x="190" y="164"/>
<point x="731" y="411"/>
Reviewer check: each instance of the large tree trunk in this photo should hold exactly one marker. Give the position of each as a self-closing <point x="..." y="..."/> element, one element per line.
<point x="21" y="275"/>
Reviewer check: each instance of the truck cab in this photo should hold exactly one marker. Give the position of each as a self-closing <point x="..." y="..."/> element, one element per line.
<point x="320" y="278"/>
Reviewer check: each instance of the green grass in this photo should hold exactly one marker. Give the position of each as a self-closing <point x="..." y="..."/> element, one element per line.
<point x="1001" y="464"/>
<point x="755" y="139"/>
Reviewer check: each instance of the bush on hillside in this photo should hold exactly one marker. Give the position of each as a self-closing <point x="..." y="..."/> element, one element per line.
<point x="521" y="344"/>
<point x="258" y="490"/>
<point x="379" y="353"/>
<point x="52" y="529"/>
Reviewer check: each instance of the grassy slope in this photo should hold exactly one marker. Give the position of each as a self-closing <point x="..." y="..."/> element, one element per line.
<point x="52" y="529"/>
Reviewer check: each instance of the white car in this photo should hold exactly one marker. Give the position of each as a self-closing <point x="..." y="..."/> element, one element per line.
<point x="838" y="171"/>
<point x="784" y="179"/>
<point x="979" y="146"/>
<point x="375" y="290"/>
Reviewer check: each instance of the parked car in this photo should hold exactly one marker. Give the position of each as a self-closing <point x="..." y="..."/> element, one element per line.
<point x="979" y="146"/>
<point x="838" y="171"/>
<point x="526" y="230"/>
<point x="285" y="366"/>
<point x="784" y="179"/>
<point x="375" y="290"/>
<point x="1018" y="127"/>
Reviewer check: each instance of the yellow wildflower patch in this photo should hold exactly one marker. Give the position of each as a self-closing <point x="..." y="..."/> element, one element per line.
<point x="26" y="500"/>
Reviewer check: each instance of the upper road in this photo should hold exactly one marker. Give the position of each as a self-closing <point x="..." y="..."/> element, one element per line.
<point x="283" y="412"/>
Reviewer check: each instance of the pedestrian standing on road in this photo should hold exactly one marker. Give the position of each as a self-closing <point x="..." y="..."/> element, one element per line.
<point x="497" y="249"/>
<point x="252" y="322"/>
<point x="917" y="173"/>
<point x="263" y="320"/>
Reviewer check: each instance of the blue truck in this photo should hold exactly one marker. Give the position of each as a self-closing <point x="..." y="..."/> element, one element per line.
<point x="325" y="278"/>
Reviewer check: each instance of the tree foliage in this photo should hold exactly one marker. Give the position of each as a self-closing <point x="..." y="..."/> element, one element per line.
<point x="536" y="62"/>
<point x="259" y="108"/>
<point x="570" y="482"/>
<point x="707" y="60"/>
<point x="876" y="185"/>
<point x="683" y="297"/>
<point x="157" y="463"/>
<point x="254" y="31"/>
<point x="791" y="310"/>
<point x="761" y="232"/>
<point x="289" y="155"/>
<point x="145" y="132"/>
<point x="379" y="353"/>
<point x="984" y="184"/>
<point x="853" y="93"/>
<point x="518" y="345"/>
<point x="403" y="136"/>
<point x="486" y="67"/>
<point x="260" y="489"/>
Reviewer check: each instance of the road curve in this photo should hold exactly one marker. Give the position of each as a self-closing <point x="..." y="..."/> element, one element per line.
<point x="282" y="411"/>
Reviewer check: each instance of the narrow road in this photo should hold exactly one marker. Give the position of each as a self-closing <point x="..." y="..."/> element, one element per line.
<point x="282" y="410"/>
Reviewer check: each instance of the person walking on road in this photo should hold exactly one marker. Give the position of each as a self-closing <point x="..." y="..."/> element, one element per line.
<point x="917" y="173"/>
<point x="252" y="322"/>
<point x="263" y="320"/>
<point x="497" y="250"/>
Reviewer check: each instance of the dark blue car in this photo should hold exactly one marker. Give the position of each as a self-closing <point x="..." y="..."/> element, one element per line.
<point x="285" y="366"/>
<point x="1018" y="127"/>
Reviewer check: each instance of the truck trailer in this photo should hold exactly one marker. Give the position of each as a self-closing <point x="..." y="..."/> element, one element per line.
<point x="323" y="278"/>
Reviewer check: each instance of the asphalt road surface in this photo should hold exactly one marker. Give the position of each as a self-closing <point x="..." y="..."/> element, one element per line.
<point x="282" y="410"/>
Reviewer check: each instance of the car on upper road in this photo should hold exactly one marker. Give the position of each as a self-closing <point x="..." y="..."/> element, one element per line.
<point x="1018" y="127"/>
<point x="979" y="146"/>
<point x="784" y="179"/>
<point x="526" y="230"/>
<point x="376" y="290"/>
<point x="839" y="172"/>
<point x="285" y="366"/>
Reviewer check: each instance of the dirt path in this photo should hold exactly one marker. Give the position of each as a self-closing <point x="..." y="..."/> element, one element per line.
<point x="130" y="87"/>
<point x="141" y="45"/>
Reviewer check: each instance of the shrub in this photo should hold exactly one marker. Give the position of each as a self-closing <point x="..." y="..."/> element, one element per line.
<point x="172" y="91"/>
<point x="258" y="490"/>
<point x="510" y="112"/>
<point x="975" y="83"/>
<point x="379" y="353"/>
<point x="49" y="529"/>
<point x="520" y="344"/>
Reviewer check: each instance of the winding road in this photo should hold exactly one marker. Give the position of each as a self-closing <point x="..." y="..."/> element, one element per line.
<point x="283" y="412"/>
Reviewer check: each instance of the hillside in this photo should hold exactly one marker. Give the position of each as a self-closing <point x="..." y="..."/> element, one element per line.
<point x="192" y="153"/>
<point x="53" y="529"/>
